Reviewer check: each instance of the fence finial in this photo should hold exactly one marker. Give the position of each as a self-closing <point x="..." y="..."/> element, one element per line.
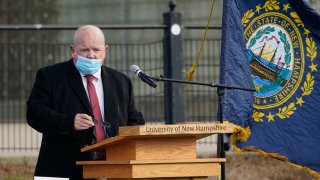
<point x="172" y="5"/>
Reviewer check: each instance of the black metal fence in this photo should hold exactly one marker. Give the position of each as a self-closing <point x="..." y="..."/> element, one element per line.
<point x="19" y="63"/>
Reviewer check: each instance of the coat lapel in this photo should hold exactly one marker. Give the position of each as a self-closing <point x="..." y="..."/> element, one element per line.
<point x="75" y="81"/>
<point x="109" y="101"/>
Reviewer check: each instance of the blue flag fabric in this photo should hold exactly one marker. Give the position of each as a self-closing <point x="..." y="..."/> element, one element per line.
<point x="274" y="45"/>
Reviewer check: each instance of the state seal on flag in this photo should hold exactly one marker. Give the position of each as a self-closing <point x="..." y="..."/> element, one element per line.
<point x="279" y="51"/>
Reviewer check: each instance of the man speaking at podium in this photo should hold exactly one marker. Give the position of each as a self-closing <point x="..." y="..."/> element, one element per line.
<point x="78" y="103"/>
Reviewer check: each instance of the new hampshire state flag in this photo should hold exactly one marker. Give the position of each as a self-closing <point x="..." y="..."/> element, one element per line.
<point x="273" y="46"/>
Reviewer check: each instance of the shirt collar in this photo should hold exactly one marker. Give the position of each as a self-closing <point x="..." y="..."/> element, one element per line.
<point x="97" y="75"/>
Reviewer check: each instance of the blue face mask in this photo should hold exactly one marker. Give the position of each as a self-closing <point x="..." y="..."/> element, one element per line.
<point x="88" y="66"/>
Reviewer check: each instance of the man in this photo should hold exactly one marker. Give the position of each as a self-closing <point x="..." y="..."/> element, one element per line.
<point x="77" y="103"/>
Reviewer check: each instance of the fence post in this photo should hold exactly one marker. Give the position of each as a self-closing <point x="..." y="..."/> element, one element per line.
<point x="173" y="64"/>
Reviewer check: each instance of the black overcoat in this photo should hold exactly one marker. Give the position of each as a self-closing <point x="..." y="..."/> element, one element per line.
<point x="57" y="96"/>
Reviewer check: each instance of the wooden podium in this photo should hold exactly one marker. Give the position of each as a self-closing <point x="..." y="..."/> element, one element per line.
<point x="155" y="152"/>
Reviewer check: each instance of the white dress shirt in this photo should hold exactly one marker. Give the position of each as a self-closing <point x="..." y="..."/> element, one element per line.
<point x="97" y="81"/>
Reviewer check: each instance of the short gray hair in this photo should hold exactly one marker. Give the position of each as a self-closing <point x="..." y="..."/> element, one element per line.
<point x="87" y="28"/>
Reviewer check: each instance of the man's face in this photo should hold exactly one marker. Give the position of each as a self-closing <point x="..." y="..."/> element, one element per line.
<point x="89" y="44"/>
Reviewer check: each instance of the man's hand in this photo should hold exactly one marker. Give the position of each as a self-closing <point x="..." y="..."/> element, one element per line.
<point x="82" y="121"/>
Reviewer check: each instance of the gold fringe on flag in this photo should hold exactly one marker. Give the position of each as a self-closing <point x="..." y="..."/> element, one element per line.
<point x="242" y="134"/>
<point x="239" y="134"/>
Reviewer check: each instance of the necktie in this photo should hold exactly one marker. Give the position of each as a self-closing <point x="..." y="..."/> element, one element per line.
<point x="100" y="134"/>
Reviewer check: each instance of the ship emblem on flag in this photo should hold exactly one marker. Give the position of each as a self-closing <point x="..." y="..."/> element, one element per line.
<point x="278" y="48"/>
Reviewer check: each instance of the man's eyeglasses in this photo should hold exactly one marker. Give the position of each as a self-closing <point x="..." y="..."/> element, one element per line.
<point x="103" y="123"/>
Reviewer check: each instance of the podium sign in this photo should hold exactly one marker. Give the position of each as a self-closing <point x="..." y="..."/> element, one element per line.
<point x="155" y="151"/>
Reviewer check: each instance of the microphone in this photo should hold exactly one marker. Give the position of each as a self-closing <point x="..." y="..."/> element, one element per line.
<point x="145" y="78"/>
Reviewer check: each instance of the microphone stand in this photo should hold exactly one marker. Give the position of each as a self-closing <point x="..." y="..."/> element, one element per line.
<point x="220" y="92"/>
<point x="223" y="86"/>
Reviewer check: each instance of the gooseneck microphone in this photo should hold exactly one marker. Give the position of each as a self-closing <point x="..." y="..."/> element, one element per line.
<point x="144" y="77"/>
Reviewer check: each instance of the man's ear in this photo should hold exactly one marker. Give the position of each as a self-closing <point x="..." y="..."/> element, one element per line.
<point x="106" y="48"/>
<point x="73" y="53"/>
<point x="72" y="50"/>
